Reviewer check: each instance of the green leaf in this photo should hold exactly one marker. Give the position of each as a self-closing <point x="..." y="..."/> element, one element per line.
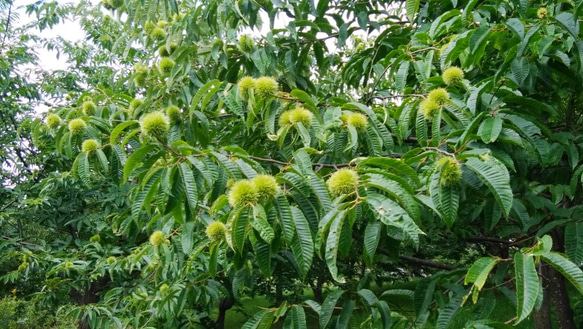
<point x="490" y="129"/>
<point x="306" y="99"/>
<point x="385" y="312"/>
<point x="190" y="189"/>
<point x="396" y="166"/>
<point x="84" y="169"/>
<point x="519" y="211"/>
<point x="261" y="319"/>
<point x="496" y="177"/>
<point x="478" y="37"/>
<point x="209" y="88"/>
<point x="445" y="199"/>
<point x="237" y="224"/>
<point x="118" y="130"/>
<point x="478" y="274"/>
<point x="402" y="73"/>
<point x="571" y="271"/>
<point x="332" y="245"/>
<point x="421" y="128"/>
<point x="527" y="285"/>
<point x="285" y="216"/>
<point x="569" y="22"/>
<point x="423" y="296"/>
<point x="516" y="26"/>
<point x="574" y="242"/>
<point x="135" y="159"/>
<point x="396" y="187"/>
<point x="302" y="245"/>
<point x="372" y="236"/>
<point x="345" y="315"/>
<point x="261" y="225"/>
<point x="102" y="160"/>
<point x="447" y="314"/>
<point x="296" y="318"/>
<point x="186" y="237"/>
<point x="391" y="214"/>
<point x="412" y="6"/>
<point x="328" y="307"/>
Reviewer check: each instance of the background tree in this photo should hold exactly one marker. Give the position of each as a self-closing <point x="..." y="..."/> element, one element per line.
<point x="381" y="164"/>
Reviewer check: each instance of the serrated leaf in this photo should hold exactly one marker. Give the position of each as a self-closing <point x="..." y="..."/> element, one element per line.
<point x="490" y="129"/>
<point x="385" y="312"/>
<point x="285" y="216"/>
<point x="496" y="177"/>
<point x="327" y="308"/>
<point x="237" y="224"/>
<point x="391" y="214"/>
<point x="447" y="314"/>
<point x="397" y="166"/>
<point x="186" y="237"/>
<point x="516" y="26"/>
<point x="190" y="189"/>
<point x="423" y="296"/>
<point x="412" y="6"/>
<point x="84" y="169"/>
<point x="135" y="159"/>
<point x="332" y="245"/>
<point x="261" y="319"/>
<point x="574" y="242"/>
<point x="208" y="88"/>
<point x="344" y="318"/>
<point x="571" y="271"/>
<point x="569" y="22"/>
<point x="306" y="99"/>
<point x="527" y="285"/>
<point x="445" y="199"/>
<point x="102" y="160"/>
<point x="296" y="318"/>
<point x="261" y="225"/>
<point x="303" y="244"/>
<point x="118" y="130"/>
<point x="421" y="131"/>
<point x="372" y="235"/>
<point x="478" y="274"/>
<point x="401" y="77"/>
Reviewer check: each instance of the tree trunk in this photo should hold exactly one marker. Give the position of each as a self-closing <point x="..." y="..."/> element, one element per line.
<point x="555" y="291"/>
<point x="89" y="295"/>
<point x="542" y="316"/>
<point x="559" y="297"/>
<point x="318" y="290"/>
<point x="224" y="305"/>
<point x="558" y="289"/>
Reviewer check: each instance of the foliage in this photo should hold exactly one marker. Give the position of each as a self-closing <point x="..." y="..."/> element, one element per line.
<point x="436" y="143"/>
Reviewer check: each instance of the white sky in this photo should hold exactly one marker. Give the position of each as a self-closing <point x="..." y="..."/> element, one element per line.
<point x="70" y="30"/>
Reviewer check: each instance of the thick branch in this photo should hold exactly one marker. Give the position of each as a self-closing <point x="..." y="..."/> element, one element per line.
<point x="410" y="259"/>
<point x="487" y="239"/>
<point x="426" y="262"/>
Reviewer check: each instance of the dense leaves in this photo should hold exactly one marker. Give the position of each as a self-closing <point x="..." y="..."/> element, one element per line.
<point x="359" y="163"/>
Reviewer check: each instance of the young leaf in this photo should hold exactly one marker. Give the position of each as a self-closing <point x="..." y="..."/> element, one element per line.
<point x="478" y="274"/>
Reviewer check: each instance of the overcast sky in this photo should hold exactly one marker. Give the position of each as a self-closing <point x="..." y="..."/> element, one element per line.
<point x="69" y="30"/>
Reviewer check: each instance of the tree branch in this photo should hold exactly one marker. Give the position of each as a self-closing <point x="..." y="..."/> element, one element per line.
<point x="410" y="259"/>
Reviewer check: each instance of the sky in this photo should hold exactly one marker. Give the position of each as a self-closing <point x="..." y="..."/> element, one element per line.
<point x="70" y="30"/>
